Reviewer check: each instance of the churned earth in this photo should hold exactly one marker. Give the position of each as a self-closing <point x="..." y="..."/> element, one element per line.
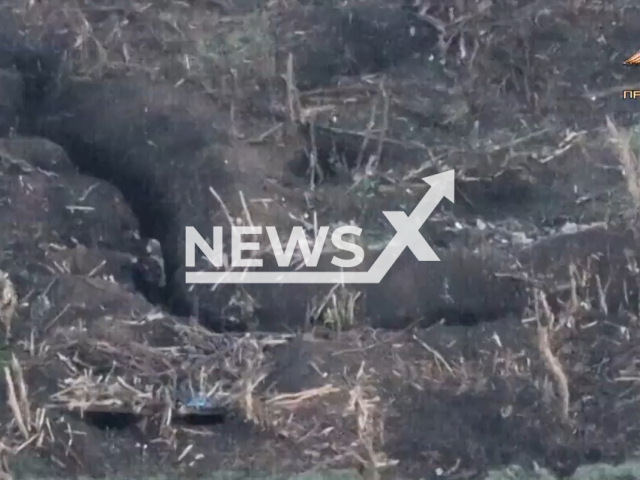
<point x="517" y="348"/>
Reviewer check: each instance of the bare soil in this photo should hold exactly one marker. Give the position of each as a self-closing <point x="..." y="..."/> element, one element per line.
<point x="517" y="348"/>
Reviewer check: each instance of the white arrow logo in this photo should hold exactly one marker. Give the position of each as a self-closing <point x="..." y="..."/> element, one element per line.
<point x="407" y="236"/>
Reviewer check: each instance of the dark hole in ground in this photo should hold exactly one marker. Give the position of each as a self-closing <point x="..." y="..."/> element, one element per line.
<point x="118" y="421"/>
<point x="111" y="420"/>
<point x="200" y="420"/>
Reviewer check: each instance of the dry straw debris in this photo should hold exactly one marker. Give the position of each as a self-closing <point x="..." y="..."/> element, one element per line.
<point x="8" y="302"/>
<point x="123" y="366"/>
<point x="625" y="143"/>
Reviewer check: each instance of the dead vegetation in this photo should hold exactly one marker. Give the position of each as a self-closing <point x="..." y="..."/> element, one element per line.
<point x="201" y="374"/>
<point x="162" y="371"/>
<point x="378" y="132"/>
<point x="625" y="143"/>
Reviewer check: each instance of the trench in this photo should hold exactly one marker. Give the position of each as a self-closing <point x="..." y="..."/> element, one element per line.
<point x="135" y="154"/>
<point x="106" y="131"/>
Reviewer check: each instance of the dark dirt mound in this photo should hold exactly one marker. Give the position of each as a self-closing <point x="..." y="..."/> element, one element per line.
<point x="151" y="145"/>
<point x="61" y="209"/>
<point x="350" y="41"/>
<point x="57" y="226"/>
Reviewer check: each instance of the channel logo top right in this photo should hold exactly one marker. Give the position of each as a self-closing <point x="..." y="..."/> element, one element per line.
<point x="632" y="93"/>
<point x="633" y="59"/>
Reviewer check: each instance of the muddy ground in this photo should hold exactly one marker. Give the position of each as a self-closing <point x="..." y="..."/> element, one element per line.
<point x="517" y="348"/>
